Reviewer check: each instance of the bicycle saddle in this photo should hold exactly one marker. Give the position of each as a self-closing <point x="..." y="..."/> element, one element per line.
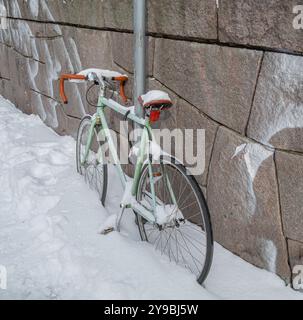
<point x="156" y="99"/>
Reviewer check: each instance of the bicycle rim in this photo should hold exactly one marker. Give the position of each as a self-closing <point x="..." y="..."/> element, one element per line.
<point x="94" y="170"/>
<point x="188" y="241"/>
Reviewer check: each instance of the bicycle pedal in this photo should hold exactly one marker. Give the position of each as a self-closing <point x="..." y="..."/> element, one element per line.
<point x="107" y="231"/>
<point x="157" y="174"/>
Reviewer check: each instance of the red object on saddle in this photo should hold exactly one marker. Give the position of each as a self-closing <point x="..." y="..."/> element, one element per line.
<point x="156" y="101"/>
<point x="154" y="115"/>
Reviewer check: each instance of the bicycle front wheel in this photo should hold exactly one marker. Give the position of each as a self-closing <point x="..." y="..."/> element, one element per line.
<point x="93" y="168"/>
<point x="187" y="238"/>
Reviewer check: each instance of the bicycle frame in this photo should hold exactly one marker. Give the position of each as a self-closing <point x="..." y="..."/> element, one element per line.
<point x="146" y="138"/>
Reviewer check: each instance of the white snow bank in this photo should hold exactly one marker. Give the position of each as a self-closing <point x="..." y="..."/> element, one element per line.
<point x="50" y="241"/>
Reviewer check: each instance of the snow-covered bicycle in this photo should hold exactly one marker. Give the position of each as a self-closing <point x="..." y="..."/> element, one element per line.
<point x="170" y="208"/>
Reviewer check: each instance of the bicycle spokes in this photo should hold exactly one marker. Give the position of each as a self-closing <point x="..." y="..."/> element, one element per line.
<point x="180" y="232"/>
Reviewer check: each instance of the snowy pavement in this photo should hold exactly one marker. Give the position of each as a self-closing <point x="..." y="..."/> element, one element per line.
<point x="50" y="241"/>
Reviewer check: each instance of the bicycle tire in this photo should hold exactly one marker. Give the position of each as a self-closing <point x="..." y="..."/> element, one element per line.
<point x="86" y="123"/>
<point x="203" y="273"/>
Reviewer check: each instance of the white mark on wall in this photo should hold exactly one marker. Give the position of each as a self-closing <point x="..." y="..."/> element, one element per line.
<point x="240" y="150"/>
<point x="3" y="17"/>
<point x="76" y="57"/>
<point x="251" y="156"/>
<point x="270" y="253"/>
<point x="254" y="156"/>
<point x="61" y="51"/>
<point x="37" y="101"/>
<point x="15" y="9"/>
<point x="290" y="117"/>
<point x="34" y="7"/>
<point x="4" y="32"/>
<point x="284" y="95"/>
<point x="42" y="77"/>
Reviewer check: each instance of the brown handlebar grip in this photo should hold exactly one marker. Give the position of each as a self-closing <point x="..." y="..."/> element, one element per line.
<point x="122" y="80"/>
<point x="65" y="77"/>
<point x="122" y="92"/>
<point x="62" y="91"/>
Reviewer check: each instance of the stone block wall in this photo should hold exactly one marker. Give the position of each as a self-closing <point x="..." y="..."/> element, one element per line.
<point x="232" y="67"/>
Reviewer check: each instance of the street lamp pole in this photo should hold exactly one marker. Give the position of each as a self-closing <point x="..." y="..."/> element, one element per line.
<point x="139" y="53"/>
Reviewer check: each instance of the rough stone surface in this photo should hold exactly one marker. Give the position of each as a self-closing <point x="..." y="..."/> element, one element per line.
<point x="290" y="176"/>
<point x="266" y="23"/>
<point x="4" y="55"/>
<point x="5" y="35"/>
<point x="69" y="11"/>
<point x="72" y="126"/>
<point x="277" y="113"/>
<point x="44" y="31"/>
<point x="88" y="48"/>
<point x="20" y="79"/>
<point x="243" y="199"/>
<point x="77" y="106"/>
<point x="13" y="7"/>
<point x="123" y="50"/>
<point x="60" y="54"/>
<point x="186" y="18"/>
<point x="6" y="89"/>
<point x="189" y="118"/>
<point x="118" y="14"/>
<point x="20" y="37"/>
<point x="220" y="81"/>
<point x="105" y="13"/>
<point x="295" y="253"/>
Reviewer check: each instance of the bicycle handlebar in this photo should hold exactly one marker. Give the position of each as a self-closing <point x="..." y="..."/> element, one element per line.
<point x="65" y="77"/>
<point x="121" y="79"/>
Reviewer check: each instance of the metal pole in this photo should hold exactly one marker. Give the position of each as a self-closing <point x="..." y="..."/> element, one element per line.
<point x="139" y="53"/>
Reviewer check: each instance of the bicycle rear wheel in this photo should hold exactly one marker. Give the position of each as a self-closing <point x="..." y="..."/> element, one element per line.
<point x="187" y="239"/>
<point x="94" y="168"/>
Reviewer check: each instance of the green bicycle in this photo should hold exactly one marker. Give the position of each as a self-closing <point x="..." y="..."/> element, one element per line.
<point x="170" y="208"/>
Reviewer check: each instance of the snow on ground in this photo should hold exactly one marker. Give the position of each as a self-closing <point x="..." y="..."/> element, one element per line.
<point x="49" y="240"/>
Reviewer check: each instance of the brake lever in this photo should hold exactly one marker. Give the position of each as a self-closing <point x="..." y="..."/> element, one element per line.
<point x="93" y="78"/>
